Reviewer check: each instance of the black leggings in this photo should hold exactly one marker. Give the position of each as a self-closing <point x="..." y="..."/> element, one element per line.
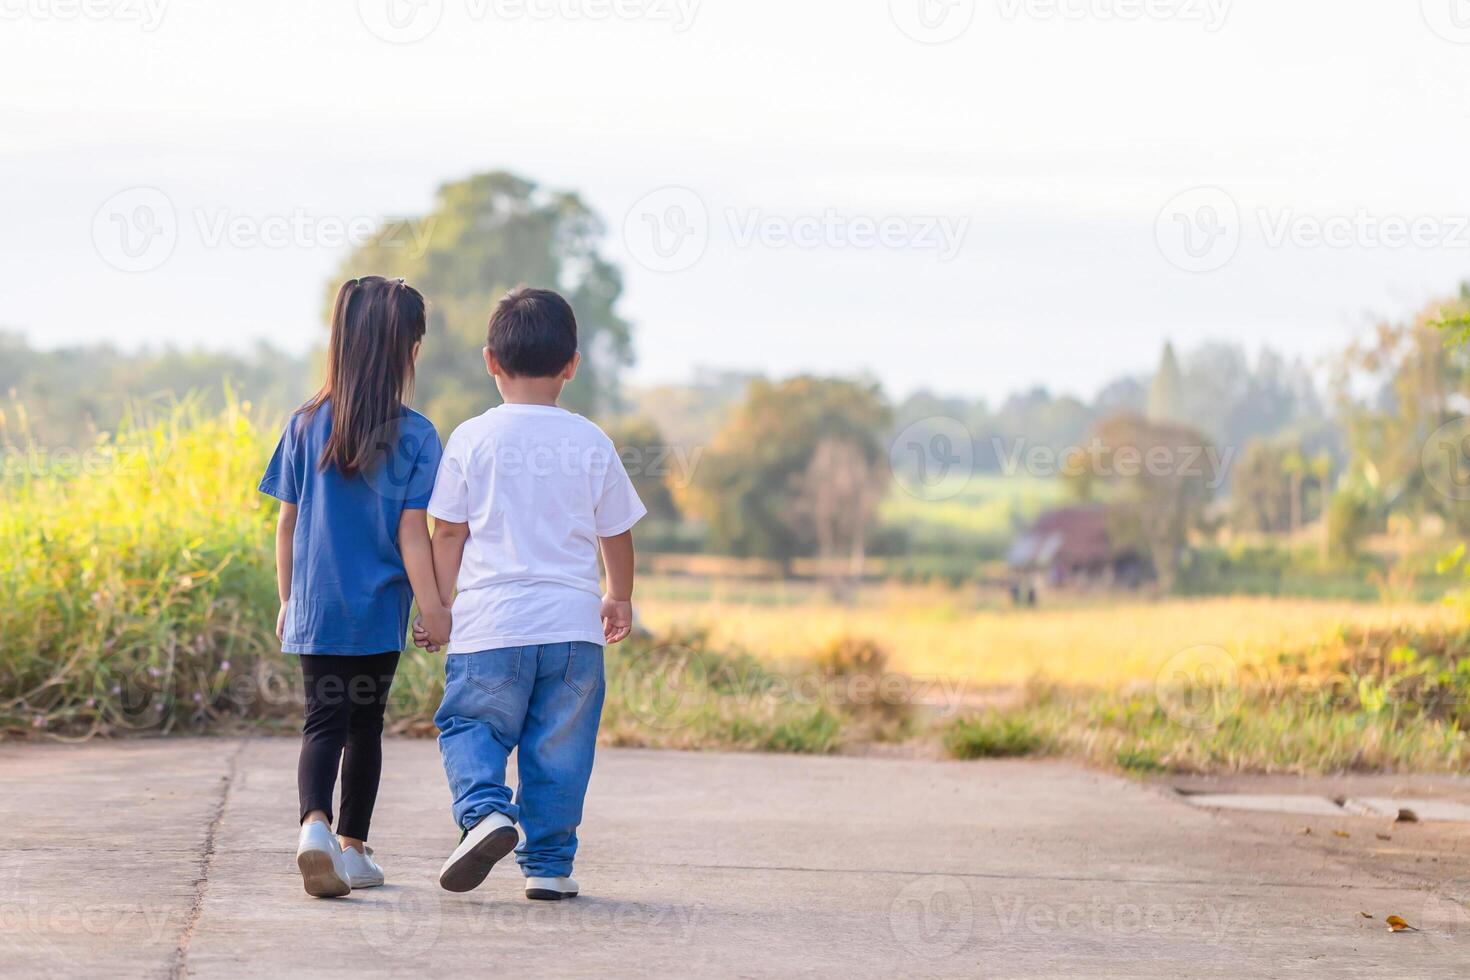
<point x="345" y="698"/>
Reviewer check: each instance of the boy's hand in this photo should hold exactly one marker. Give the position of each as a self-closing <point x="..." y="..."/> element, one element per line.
<point x="617" y="619"/>
<point x="281" y="623"/>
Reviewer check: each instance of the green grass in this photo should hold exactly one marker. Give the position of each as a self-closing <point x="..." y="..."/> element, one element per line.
<point x="992" y="737"/>
<point x="1381" y="701"/>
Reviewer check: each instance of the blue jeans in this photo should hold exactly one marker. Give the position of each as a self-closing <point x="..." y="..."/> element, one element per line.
<point x="546" y="700"/>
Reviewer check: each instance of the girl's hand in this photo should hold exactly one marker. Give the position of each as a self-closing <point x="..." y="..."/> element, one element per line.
<point x="436" y="625"/>
<point x="421" y="636"/>
<point x="281" y="624"/>
<point x="617" y="619"/>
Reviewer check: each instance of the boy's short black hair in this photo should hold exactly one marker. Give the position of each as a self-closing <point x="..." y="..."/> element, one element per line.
<point x="533" y="333"/>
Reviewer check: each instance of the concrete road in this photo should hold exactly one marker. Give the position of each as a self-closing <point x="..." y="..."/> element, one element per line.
<point x="157" y="858"/>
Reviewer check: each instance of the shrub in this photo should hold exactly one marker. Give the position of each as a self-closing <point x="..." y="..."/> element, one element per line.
<point x="992" y="736"/>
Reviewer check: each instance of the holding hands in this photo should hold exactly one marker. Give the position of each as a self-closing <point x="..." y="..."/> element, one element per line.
<point x="431" y="628"/>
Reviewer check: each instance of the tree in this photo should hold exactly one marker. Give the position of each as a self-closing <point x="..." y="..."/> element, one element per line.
<point x="1415" y="382"/>
<point x="1163" y="480"/>
<point x="1166" y="392"/>
<point x="836" y="497"/>
<point x="484" y="236"/>
<point x="753" y="488"/>
<point x="652" y="464"/>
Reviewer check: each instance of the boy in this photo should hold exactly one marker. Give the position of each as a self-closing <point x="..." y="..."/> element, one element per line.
<point x="526" y="495"/>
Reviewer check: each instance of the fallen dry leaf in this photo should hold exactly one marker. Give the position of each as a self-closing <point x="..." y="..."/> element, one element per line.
<point x="1396" y="923"/>
<point x="1342" y="833"/>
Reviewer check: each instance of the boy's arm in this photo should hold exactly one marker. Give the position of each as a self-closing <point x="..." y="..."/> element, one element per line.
<point x="285" y="554"/>
<point x="449" y="539"/>
<point x="617" y="603"/>
<point x="418" y="561"/>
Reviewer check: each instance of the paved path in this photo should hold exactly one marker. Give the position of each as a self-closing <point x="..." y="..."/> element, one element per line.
<point x="157" y="858"/>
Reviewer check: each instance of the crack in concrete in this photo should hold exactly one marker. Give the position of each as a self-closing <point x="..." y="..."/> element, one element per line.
<point x="180" y="966"/>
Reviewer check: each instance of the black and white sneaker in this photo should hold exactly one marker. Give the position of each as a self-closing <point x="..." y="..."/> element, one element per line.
<point x="551" y="889"/>
<point x="482" y="845"/>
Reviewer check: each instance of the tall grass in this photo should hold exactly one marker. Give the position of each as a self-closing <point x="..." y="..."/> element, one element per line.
<point x="136" y="584"/>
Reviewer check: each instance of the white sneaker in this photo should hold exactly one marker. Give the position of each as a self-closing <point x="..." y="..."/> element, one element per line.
<point x="362" y="870"/>
<point x="319" y="856"/>
<point x="482" y="845"/>
<point x="551" y="889"/>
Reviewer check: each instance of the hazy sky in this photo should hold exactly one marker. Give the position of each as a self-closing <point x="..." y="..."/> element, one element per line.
<point x="788" y="184"/>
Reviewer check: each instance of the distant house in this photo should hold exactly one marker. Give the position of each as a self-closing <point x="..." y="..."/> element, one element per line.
<point x="1072" y="547"/>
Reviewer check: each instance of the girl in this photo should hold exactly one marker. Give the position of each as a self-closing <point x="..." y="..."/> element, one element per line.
<point x="353" y="472"/>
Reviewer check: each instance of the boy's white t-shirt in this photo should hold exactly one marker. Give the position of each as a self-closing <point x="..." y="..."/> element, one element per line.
<point x="538" y="485"/>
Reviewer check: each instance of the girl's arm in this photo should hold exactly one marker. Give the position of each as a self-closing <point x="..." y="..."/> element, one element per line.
<point x="617" y="604"/>
<point x="448" y="547"/>
<point x="418" y="561"/>
<point x="285" y="541"/>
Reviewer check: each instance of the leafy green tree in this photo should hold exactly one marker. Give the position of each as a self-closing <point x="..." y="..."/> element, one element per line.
<point x="485" y="236"/>
<point x="753" y="485"/>
<point x="652" y="464"/>
<point x="1162" y="480"/>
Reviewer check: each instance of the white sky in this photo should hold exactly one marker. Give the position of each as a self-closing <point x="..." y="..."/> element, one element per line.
<point x="1058" y="139"/>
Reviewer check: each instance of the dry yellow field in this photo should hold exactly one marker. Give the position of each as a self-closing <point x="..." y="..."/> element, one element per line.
<point x="961" y="635"/>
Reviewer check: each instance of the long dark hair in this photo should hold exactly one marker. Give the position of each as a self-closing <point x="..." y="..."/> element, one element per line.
<point x="375" y="324"/>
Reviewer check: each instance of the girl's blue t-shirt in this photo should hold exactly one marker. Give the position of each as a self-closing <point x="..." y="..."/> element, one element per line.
<point x="349" y="591"/>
